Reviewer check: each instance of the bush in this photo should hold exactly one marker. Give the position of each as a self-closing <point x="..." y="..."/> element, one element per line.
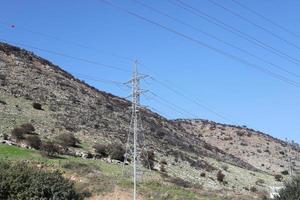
<point x="101" y="149"/>
<point x="291" y="190"/>
<point x="49" y="149"/>
<point x="285" y="172"/>
<point x="5" y="136"/>
<point x="180" y="182"/>
<point x="253" y="189"/>
<point x="67" y="140"/>
<point x="116" y="152"/>
<point x="220" y="176"/>
<point x="17" y="134"/>
<point x="34" y="141"/>
<point x="27" y="128"/>
<point x="148" y="159"/>
<point x="278" y="177"/>
<point x="37" y="106"/>
<point x="21" y="182"/>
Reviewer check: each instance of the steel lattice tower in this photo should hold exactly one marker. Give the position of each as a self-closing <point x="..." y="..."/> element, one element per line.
<point x="134" y="142"/>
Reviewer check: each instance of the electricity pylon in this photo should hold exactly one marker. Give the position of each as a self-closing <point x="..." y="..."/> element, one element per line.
<point x="135" y="124"/>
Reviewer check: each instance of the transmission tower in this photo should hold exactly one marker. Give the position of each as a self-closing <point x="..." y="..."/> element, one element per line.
<point x="134" y="144"/>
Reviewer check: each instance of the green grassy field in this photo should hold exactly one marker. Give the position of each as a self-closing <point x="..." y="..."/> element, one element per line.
<point x="100" y="177"/>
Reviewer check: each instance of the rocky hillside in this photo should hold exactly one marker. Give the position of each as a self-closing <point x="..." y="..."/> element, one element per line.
<point x="256" y="148"/>
<point x="194" y="149"/>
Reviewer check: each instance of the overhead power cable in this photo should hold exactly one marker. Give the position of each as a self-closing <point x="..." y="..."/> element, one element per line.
<point x="46" y="35"/>
<point x="234" y="30"/>
<point x="68" y="56"/>
<point x="172" y="105"/>
<point x="254" y="24"/>
<point x="216" y="38"/>
<point x="219" y="51"/>
<point x="266" y="18"/>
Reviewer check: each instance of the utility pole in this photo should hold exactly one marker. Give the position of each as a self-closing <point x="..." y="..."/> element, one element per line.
<point x="135" y="125"/>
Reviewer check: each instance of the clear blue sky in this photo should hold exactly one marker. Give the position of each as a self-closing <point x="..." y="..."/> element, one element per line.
<point x="241" y="93"/>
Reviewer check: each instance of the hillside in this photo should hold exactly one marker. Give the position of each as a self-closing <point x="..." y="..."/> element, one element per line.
<point x="195" y="150"/>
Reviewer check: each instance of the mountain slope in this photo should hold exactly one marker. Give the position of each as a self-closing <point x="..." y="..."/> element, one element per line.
<point x="70" y="105"/>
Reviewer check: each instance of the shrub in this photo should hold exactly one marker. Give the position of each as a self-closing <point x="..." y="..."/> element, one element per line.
<point x="19" y="181"/>
<point x="253" y="189"/>
<point x="180" y="182"/>
<point x="101" y="149"/>
<point x="5" y="136"/>
<point x="17" y="134"/>
<point x="37" y="106"/>
<point x="27" y="128"/>
<point x="3" y="102"/>
<point x="260" y="182"/>
<point x="34" y="141"/>
<point x="291" y="191"/>
<point x="278" y="177"/>
<point x="220" y="176"/>
<point x="202" y="174"/>
<point x="148" y="159"/>
<point x="116" y="152"/>
<point x="67" y="140"/>
<point x="240" y="133"/>
<point x="285" y="172"/>
<point x="49" y="149"/>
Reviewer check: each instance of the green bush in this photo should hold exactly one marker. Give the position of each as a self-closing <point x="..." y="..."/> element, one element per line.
<point x="291" y="190"/>
<point x="21" y="182"/>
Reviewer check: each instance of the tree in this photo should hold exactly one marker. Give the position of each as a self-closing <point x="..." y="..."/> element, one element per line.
<point x="21" y="182"/>
<point x="291" y="190"/>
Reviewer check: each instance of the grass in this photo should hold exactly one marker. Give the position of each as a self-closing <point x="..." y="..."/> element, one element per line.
<point x="100" y="177"/>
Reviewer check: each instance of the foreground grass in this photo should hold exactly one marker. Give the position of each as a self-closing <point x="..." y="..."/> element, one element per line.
<point x="99" y="177"/>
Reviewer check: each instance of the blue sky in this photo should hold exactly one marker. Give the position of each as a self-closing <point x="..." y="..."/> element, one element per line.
<point x="241" y="93"/>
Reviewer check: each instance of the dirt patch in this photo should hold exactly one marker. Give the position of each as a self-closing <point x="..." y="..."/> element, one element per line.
<point x="118" y="194"/>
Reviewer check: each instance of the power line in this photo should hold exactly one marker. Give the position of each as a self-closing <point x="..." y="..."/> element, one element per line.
<point x="266" y="19"/>
<point x="216" y="38"/>
<point x="235" y="31"/>
<point x="46" y="35"/>
<point x="219" y="51"/>
<point x="254" y="24"/>
<point x="68" y="56"/>
<point x="172" y="105"/>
